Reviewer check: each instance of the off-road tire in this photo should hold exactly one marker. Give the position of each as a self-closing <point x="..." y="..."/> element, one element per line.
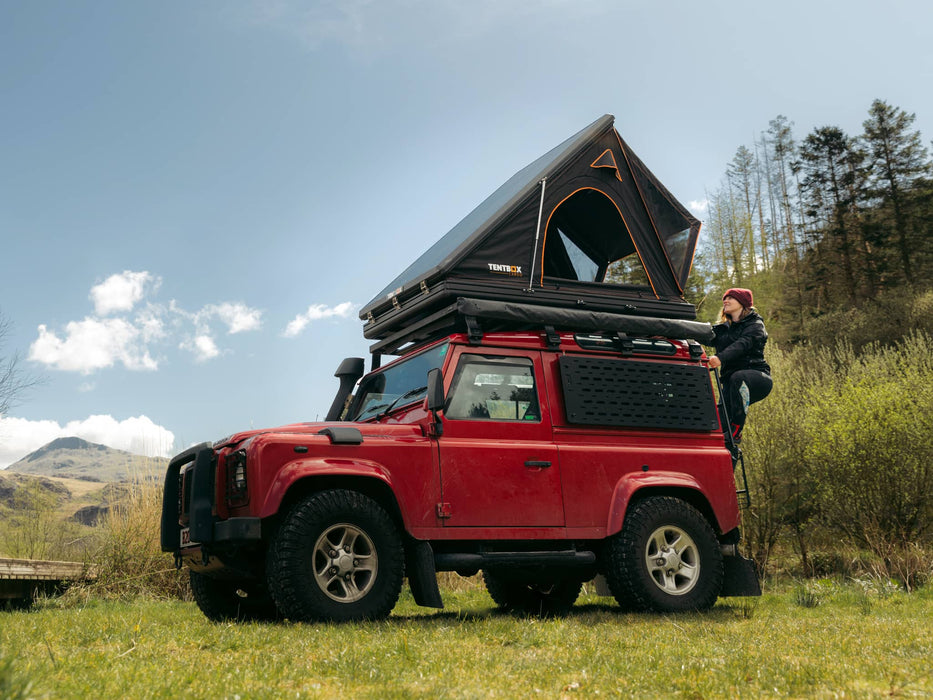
<point x="337" y="556"/>
<point x="643" y="575"/>
<point x="237" y="601"/>
<point x="540" y="599"/>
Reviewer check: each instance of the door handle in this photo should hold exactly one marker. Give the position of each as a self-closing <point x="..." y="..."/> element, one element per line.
<point x="533" y="463"/>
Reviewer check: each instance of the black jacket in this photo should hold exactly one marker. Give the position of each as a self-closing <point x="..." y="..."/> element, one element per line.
<point x="741" y="345"/>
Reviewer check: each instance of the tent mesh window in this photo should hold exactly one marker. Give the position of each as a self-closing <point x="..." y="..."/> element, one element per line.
<point x="592" y="243"/>
<point x="631" y="394"/>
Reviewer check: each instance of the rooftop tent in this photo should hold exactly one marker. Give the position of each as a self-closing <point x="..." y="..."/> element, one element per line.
<point x="585" y="226"/>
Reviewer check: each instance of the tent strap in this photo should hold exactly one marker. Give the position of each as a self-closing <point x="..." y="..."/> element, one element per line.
<point x="534" y="255"/>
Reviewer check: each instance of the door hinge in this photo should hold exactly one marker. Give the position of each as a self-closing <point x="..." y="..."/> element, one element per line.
<point x="444" y="511"/>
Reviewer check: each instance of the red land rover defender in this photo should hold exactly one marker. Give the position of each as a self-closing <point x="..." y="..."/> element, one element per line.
<point x="542" y="459"/>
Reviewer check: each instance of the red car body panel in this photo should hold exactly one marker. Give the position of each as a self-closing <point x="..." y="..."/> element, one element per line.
<point x="480" y="479"/>
<point x="485" y="479"/>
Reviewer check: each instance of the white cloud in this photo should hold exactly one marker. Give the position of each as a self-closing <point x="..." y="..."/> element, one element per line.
<point x="122" y="292"/>
<point x="238" y="317"/>
<point x="203" y="347"/>
<point x="151" y="324"/>
<point x="698" y="206"/>
<point x="93" y="344"/>
<point x="139" y="435"/>
<point x="316" y="312"/>
<point x="110" y="337"/>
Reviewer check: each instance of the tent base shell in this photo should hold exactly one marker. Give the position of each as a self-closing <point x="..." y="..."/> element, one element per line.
<point x="413" y="308"/>
<point x="477" y="316"/>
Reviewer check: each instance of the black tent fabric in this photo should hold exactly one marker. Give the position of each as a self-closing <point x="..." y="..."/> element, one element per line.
<point x="585" y="225"/>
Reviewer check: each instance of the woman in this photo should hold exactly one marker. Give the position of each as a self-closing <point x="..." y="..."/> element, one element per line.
<point x="740" y="344"/>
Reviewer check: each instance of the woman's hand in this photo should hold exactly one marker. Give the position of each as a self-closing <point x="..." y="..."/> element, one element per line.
<point x="714" y="362"/>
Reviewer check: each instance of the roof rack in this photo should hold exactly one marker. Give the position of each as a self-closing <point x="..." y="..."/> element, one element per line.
<point x="478" y="316"/>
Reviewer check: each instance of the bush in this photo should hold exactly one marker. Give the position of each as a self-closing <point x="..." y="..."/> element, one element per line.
<point x="841" y="456"/>
<point x="782" y="494"/>
<point x="129" y="559"/>
<point x="871" y="446"/>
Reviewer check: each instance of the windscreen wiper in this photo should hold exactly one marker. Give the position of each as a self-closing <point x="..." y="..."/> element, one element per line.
<point x="406" y="395"/>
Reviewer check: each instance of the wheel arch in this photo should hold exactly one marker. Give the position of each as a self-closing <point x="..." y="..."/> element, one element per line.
<point x="630" y="491"/>
<point x="370" y="486"/>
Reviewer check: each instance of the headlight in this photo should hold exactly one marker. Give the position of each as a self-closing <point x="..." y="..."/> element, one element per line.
<point x="237" y="486"/>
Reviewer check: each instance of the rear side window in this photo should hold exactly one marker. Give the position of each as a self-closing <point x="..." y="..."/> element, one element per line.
<point x="493" y="388"/>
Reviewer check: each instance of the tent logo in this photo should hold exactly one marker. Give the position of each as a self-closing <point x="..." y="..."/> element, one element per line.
<point x="510" y="270"/>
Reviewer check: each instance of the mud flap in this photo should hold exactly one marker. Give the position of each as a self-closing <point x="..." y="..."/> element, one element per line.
<point x="740" y="577"/>
<point x="422" y="576"/>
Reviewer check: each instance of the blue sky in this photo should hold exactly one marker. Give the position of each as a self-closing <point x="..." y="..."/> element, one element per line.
<point x="196" y="198"/>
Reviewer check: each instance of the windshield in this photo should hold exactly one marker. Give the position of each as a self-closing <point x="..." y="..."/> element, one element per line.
<point x="398" y="385"/>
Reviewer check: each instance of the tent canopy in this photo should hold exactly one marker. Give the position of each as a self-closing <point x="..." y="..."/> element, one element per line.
<point x="586" y="223"/>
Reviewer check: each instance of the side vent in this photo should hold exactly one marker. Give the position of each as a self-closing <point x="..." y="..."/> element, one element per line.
<point x="343" y="435"/>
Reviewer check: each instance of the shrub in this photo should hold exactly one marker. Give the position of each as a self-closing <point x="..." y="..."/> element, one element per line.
<point x="871" y="448"/>
<point x="129" y="559"/>
<point x="841" y="457"/>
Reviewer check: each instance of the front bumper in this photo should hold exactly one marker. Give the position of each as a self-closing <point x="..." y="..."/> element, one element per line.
<point x="195" y="495"/>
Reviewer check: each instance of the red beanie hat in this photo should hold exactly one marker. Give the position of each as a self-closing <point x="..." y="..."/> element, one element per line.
<point x="743" y="296"/>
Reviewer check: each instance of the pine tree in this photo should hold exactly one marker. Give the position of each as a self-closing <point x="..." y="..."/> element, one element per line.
<point x="897" y="159"/>
<point x="830" y="162"/>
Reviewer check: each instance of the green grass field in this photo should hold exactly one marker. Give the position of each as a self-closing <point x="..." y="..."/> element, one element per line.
<point x="818" y="639"/>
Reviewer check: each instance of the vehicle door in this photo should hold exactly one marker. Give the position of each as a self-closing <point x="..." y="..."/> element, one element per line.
<point x="499" y="463"/>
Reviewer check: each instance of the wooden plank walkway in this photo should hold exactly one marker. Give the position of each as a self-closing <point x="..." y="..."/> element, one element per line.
<point x="22" y="579"/>
<point x="38" y="570"/>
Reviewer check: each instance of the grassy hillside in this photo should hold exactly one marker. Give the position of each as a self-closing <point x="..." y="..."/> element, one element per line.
<point x="59" y="518"/>
<point x="49" y="517"/>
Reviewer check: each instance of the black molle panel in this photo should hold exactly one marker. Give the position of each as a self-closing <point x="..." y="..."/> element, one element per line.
<point x="632" y="394"/>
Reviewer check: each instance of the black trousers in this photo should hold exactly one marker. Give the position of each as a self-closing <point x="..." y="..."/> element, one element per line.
<point x="740" y="390"/>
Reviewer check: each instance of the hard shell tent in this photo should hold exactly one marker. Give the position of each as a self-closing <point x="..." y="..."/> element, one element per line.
<point x="585" y="226"/>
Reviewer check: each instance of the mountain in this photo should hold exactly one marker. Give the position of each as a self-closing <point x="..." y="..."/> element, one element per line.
<point x="74" y="458"/>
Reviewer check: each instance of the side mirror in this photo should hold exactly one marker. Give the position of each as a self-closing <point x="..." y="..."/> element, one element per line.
<point x="435" y="390"/>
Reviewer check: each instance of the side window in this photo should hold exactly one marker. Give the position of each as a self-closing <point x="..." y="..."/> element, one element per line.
<point x="494" y="388"/>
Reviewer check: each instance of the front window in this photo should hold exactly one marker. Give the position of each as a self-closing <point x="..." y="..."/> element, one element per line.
<point x="398" y="385"/>
<point x="493" y="388"/>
